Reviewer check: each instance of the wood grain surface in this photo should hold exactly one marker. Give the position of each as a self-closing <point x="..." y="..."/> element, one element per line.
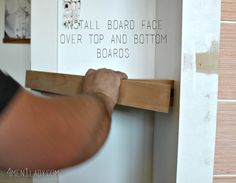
<point x="224" y="179"/>
<point x="227" y="77"/>
<point x="228" y="12"/>
<point x="151" y="95"/>
<point x="225" y="156"/>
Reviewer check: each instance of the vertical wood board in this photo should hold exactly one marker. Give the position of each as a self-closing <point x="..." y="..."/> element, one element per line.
<point x="227" y="77"/>
<point x="225" y="156"/>
<point x="224" y="179"/>
<point x="228" y="10"/>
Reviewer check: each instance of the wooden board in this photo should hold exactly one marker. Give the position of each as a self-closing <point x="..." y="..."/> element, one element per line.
<point x="227" y="78"/>
<point x="223" y="179"/>
<point x="225" y="156"/>
<point x="12" y="40"/>
<point x="151" y="95"/>
<point x="228" y="10"/>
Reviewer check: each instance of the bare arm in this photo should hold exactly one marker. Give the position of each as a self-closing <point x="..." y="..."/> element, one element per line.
<point x="38" y="133"/>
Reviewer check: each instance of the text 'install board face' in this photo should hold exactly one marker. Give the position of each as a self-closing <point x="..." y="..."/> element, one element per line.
<point x="120" y="35"/>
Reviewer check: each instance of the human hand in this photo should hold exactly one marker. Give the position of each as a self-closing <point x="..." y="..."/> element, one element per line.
<point x="104" y="83"/>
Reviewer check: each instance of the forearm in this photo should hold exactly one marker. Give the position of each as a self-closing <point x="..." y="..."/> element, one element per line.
<point x="39" y="133"/>
<point x="89" y="119"/>
<point x="52" y="134"/>
<point x="100" y="121"/>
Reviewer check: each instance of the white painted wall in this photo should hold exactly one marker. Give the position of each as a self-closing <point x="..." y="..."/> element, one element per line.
<point x="44" y="35"/>
<point x="14" y="58"/>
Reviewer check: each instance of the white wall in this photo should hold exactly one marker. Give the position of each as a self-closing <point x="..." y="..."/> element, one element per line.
<point x="14" y="58"/>
<point x="44" y="35"/>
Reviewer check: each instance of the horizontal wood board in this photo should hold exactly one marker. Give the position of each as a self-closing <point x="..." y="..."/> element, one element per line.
<point x="151" y="95"/>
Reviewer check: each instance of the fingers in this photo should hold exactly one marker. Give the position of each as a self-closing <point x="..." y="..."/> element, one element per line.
<point x="104" y="81"/>
<point x="90" y="71"/>
<point x="120" y="74"/>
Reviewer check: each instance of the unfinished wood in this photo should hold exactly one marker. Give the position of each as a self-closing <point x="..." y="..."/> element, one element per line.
<point x="145" y="94"/>
<point x="228" y="10"/>
<point x="224" y="179"/>
<point x="225" y="156"/>
<point x="169" y="82"/>
<point x="227" y="77"/>
<point x="62" y="84"/>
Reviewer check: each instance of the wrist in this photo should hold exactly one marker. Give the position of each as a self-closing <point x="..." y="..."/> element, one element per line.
<point x="106" y="101"/>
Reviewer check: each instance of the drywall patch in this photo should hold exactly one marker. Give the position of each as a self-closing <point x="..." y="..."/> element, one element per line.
<point x="208" y="62"/>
